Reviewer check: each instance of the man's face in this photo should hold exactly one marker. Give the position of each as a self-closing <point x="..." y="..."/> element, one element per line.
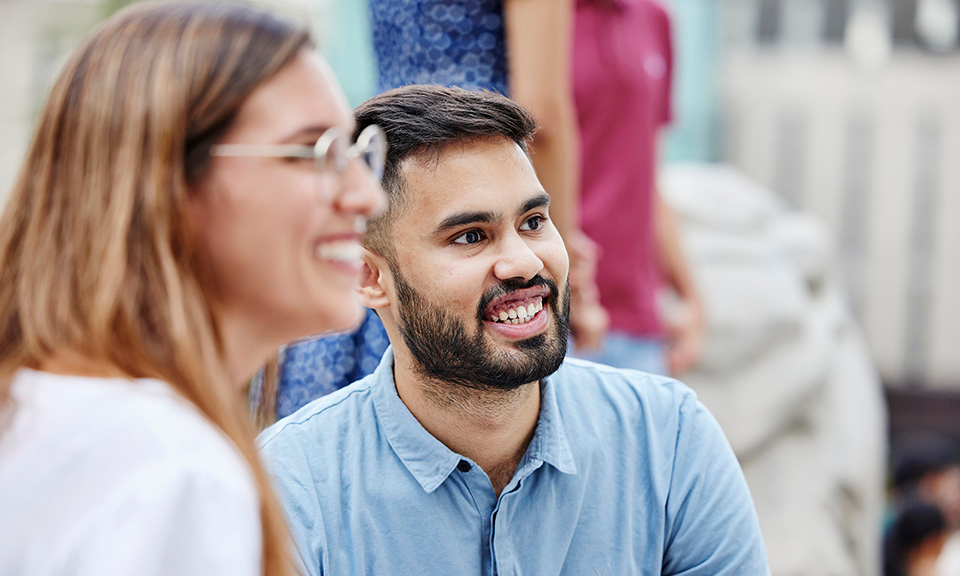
<point x="480" y="272"/>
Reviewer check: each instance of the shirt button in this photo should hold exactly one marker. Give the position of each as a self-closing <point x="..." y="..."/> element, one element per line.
<point x="463" y="466"/>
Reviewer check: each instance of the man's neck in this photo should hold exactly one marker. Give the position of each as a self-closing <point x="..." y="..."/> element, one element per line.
<point x="490" y="427"/>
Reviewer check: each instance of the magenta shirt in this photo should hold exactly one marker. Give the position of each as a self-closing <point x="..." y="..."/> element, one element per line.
<point x="622" y="61"/>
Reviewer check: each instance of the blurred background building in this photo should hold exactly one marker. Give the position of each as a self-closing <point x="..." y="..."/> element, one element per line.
<point x="848" y="109"/>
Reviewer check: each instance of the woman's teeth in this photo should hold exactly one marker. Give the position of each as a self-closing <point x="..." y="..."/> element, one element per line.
<point x="519" y="314"/>
<point x="348" y="251"/>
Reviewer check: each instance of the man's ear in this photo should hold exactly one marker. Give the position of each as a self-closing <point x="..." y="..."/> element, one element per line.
<point x="374" y="280"/>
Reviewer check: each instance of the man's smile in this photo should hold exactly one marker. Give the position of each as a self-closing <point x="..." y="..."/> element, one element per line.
<point x="517" y="307"/>
<point x="519" y="314"/>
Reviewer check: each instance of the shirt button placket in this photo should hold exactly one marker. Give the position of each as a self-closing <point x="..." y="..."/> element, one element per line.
<point x="504" y="557"/>
<point x="485" y="500"/>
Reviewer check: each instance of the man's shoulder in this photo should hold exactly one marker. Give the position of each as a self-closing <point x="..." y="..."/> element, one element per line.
<point x="601" y="383"/>
<point x="626" y="403"/>
<point x="328" y="411"/>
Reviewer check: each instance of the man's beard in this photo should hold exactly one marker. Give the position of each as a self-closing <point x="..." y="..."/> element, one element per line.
<point x="444" y="350"/>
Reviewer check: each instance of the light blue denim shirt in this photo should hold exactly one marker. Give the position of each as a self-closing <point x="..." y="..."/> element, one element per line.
<point x="627" y="473"/>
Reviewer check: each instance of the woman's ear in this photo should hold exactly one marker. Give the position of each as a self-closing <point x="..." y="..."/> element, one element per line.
<point x="374" y="281"/>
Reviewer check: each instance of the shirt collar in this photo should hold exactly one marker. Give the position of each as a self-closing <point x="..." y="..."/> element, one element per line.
<point x="549" y="443"/>
<point x="425" y="457"/>
<point x="431" y="462"/>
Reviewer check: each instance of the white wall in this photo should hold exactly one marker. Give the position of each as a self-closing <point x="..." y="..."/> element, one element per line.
<point x="876" y="157"/>
<point x="35" y="37"/>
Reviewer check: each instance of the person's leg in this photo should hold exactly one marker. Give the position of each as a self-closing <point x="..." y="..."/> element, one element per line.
<point x="623" y="351"/>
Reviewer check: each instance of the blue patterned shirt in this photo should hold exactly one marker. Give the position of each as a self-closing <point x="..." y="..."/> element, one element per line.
<point x="313" y="368"/>
<point x="450" y="42"/>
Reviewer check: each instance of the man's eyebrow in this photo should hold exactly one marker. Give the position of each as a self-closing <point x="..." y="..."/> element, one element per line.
<point x="487" y="216"/>
<point x="541" y="200"/>
<point x="464" y="218"/>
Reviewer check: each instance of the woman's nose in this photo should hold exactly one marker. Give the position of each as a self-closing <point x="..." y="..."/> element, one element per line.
<point x="360" y="193"/>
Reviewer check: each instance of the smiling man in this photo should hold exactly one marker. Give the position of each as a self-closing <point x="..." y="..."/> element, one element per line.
<point x="475" y="448"/>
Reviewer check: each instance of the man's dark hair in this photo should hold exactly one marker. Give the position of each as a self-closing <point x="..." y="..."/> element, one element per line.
<point x="420" y="121"/>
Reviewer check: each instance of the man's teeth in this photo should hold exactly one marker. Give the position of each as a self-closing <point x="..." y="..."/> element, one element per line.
<point x="349" y="251"/>
<point x="519" y="314"/>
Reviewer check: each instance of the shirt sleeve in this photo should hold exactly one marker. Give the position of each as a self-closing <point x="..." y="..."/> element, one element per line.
<point x="712" y="527"/>
<point x="175" y="519"/>
<point x="296" y="490"/>
<point x="665" y="112"/>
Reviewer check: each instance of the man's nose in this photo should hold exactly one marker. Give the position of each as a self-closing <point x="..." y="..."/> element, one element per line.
<point x="517" y="259"/>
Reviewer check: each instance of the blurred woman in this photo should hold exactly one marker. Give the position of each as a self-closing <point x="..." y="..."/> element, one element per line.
<point x="191" y="200"/>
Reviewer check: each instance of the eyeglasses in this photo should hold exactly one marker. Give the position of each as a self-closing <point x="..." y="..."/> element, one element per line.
<point x="332" y="150"/>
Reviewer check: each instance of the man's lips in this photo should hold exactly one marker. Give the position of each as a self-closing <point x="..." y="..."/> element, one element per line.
<point x="528" y="322"/>
<point x="517" y="307"/>
<point x="533" y="292"/>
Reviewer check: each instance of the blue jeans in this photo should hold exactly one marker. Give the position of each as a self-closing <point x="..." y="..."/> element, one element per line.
<point x="623" y="351"/>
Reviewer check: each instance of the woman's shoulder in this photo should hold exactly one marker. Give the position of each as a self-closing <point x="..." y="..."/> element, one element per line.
<point x="116" y="425"/>
<point x="122" y="463"/>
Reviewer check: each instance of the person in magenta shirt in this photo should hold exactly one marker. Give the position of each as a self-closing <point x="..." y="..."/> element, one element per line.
<point x="622" y="72"/>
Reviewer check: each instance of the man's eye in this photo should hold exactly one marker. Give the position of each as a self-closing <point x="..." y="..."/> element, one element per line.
<point x="469" y="237"/>
<point x="532" y="224"/>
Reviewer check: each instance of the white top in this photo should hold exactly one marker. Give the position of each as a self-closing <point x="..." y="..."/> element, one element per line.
<point x="108" y="477"/>
<point x="949" y="562"/>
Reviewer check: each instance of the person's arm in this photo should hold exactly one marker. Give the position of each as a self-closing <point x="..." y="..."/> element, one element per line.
<point x="685" y="325"/>
<point x="685" y="328"/>
<point x="539" y="35"/>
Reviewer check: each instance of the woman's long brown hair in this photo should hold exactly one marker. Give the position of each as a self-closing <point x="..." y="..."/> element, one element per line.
<point x="97" y="257"/>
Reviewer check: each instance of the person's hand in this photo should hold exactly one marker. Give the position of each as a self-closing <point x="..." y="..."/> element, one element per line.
<point x="584" y="255"/>
<point x="684" y="338"/>
<point x="588" y="324"/>
<point x="588" y="320"/>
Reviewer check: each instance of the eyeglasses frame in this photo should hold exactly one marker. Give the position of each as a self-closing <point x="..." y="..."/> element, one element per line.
<point x="318" y="152"/>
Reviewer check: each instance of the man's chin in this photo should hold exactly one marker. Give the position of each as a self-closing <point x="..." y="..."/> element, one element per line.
<point x="532" y="343"/>
<point x="549" y="335"/>
<point x="531" y="359"/>
<point x="484" y="357"/>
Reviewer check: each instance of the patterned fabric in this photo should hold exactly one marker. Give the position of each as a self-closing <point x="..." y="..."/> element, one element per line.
<point x="314" y="368"/>
<point x="450" y="42"/>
